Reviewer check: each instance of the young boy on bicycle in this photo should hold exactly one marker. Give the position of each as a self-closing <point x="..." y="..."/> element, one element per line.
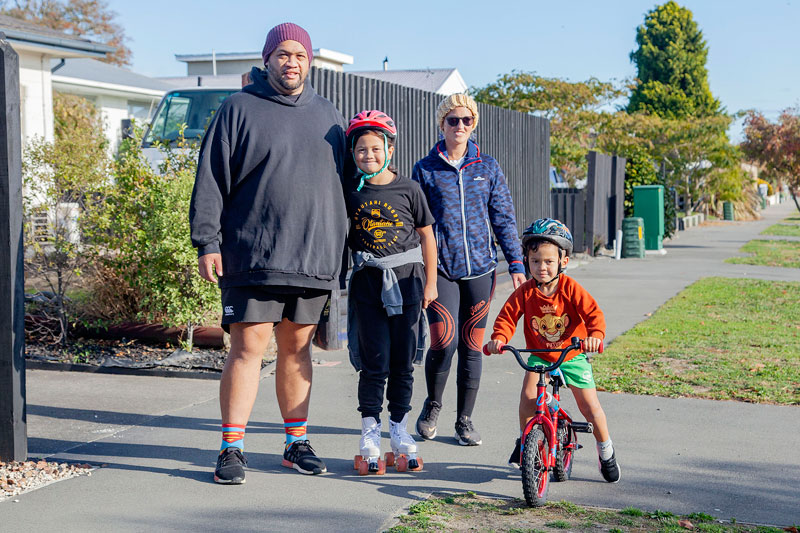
<point x="556" y="308"/>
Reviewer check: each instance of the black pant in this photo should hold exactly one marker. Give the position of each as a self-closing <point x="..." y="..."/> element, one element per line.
<point x="387" y="346"/>
<point x="468" y="300"/>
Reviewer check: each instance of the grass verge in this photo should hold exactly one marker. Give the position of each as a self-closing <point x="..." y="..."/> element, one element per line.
<point x="770" y="253"/>
<point x="722" y="339"/>
<point x="783" y="230"/>
<point x="470" y="512"/>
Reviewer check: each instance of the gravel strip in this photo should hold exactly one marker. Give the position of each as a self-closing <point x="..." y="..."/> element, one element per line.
<point x="19" y="477"/>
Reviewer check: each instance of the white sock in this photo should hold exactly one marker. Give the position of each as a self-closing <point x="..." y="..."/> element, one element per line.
<point x="605" y="450"/>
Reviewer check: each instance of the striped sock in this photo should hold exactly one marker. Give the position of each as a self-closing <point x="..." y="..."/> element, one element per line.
<point x="295" y="429"/>
<point x="232" y="436"/>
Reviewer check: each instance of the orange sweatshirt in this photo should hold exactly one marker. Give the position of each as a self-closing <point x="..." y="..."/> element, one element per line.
<point x="550" y="322"/>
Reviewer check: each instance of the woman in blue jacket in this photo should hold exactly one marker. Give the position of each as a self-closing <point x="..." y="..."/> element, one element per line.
<point x="468" y="196"/>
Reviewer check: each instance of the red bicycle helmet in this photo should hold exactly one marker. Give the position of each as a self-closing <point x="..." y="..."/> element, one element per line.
<point x="372" y="119"/>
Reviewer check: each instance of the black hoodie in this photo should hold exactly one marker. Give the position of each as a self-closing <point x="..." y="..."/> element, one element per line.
<point x="268" y="192"/>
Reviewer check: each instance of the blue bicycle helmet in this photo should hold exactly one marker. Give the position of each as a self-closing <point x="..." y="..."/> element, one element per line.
<point x="548" y="229"/>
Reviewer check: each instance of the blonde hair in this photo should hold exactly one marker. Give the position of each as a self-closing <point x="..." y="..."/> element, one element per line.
<point x="453" y="101"/>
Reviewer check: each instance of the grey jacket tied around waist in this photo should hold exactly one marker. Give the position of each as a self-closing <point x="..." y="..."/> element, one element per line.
<point x="390" y="295"/>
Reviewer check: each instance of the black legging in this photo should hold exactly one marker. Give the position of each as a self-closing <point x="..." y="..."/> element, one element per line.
<point x="469" y="301"/>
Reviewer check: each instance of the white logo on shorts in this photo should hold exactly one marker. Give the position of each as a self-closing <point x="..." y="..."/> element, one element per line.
<point x="587" y="376"/>
<point x="228" y="310"/>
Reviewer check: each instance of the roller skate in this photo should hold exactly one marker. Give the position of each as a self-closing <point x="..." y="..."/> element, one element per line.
<point x="370" y="462"/>
<point x="404" y="448"/>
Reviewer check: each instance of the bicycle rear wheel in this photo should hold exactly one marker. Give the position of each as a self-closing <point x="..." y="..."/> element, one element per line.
<point x="535" y="480"/>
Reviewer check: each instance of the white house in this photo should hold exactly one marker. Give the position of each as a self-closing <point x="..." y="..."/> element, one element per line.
<point x="444" y="81"/>
<point x="117" y="92"/>
<point x="37" y="47"/>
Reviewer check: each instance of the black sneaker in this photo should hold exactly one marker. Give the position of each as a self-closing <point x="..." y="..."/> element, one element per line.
<point x="426" y="423"/>
<point x="230" y="467"/>
<point x="516" y="456"/>
<point x="301" y="456"/>
<point x="610" y="469"/>
<point x="466" y="434"/>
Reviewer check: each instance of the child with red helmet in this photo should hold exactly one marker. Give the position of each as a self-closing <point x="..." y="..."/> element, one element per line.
<point x="394" y="278"/>
<point x="555" y="309"/>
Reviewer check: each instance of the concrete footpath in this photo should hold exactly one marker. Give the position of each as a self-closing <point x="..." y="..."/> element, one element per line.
<point x="159" y="436"/>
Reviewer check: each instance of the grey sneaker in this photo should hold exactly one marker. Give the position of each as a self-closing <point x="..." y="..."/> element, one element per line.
<point x="426" y="423"/>
<point x="466" y="434"/>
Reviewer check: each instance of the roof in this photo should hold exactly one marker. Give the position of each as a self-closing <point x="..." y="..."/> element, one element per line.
<point x="97" y="71"/>
<point x="205" y="80"/>
<point x="322" y="53"/>
<point x="22" y="32"/>
<point x="429" y="79"/>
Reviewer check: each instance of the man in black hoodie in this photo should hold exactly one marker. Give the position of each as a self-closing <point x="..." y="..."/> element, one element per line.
<point x="268" y="217"/>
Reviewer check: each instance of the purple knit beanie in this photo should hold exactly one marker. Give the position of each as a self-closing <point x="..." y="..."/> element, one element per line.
<point x="287" y="31"/>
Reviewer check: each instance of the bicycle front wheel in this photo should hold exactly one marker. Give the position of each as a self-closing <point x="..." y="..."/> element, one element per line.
<point x="535" y="480"/>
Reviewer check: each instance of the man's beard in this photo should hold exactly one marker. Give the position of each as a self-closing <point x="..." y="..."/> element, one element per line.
<point x="277" y="79"/>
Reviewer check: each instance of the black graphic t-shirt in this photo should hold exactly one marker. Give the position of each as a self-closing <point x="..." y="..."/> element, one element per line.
<point x="383" y="221"/>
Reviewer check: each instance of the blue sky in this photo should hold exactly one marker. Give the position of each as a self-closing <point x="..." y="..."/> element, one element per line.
<point x="754" y="47"/>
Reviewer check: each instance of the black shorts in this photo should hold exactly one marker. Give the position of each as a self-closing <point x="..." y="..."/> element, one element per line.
<point x="270" y="303"/>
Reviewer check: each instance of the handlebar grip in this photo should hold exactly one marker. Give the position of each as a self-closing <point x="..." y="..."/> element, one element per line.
<point x="599" y="350"/>
<point x="486" y="349"/>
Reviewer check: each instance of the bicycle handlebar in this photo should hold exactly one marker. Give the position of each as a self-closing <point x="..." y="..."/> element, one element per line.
<point x="576" y="344"/>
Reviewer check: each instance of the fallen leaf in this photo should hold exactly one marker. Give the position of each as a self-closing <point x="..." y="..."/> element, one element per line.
<point x="791" y="529"/>
<point x="685" y="524"/>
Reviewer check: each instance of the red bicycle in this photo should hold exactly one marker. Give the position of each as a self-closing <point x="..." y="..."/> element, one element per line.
<point x="550" y="437"/>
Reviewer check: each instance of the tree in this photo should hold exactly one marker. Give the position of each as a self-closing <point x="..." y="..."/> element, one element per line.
<point x="693" y="150"/>
<point x="90" y="19"/>
<point x="672" y="80"/>
<point x="573" y="108"/>
<point x="63" y="181"/>
<point x="775" y="146"/>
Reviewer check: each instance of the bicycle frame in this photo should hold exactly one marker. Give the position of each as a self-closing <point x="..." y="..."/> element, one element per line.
<point x="548" y="421"/>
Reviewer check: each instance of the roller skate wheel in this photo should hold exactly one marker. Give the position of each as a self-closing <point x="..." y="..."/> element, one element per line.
<point x="363" y="468"/>
<point x="389" y="458"/>
<point x="402" y="463"/>
<point x="381" y="467"/>
<point x="356" y="461"/>
<point x="419" y="465"/>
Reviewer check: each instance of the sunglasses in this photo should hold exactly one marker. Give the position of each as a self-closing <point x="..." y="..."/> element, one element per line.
<point x="453" y="121"/>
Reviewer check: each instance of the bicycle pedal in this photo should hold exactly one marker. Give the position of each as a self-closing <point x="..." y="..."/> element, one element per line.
<point x="583" y="427"/>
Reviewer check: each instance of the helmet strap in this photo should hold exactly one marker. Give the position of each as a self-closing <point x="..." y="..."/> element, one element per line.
<point x="363" y="175"/>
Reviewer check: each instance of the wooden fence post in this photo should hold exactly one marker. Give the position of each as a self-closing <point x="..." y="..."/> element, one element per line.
<point x="13" y="429"/>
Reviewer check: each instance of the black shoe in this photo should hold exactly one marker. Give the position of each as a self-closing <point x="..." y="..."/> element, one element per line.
<point x="230" y="467"/>
<point x="466" y="434"/>
<point x="426" y="423"/>
<point x="301" y="456"/>
<point x="610" y="469"/>
<point x="516" y="456"/>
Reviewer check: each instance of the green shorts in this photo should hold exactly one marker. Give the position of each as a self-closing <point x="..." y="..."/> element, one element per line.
<point x="577" y="371"/>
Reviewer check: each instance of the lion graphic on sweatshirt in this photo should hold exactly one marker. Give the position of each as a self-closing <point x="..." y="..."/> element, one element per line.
<point x="551" y="327"/>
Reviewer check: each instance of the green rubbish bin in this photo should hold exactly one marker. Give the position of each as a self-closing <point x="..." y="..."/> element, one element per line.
<point x="763" y="202"/>
<point x="727" y="210"/>
<point x="633" y="237"/>
<point x="648" y="204"/>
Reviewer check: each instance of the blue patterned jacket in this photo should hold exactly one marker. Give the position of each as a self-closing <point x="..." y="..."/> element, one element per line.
<point x="467" y="204"/>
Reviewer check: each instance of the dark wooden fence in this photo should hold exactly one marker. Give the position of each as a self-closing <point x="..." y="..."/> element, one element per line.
<point x="519" y="142"/>
<point x="594" y="214"/>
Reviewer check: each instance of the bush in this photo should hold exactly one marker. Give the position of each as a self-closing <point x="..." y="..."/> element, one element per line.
<point x="144" y="229"/>
<point x="63" y="182"/>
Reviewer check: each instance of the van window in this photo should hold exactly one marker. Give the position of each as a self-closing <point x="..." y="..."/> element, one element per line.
<point x="193" y="108"/>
